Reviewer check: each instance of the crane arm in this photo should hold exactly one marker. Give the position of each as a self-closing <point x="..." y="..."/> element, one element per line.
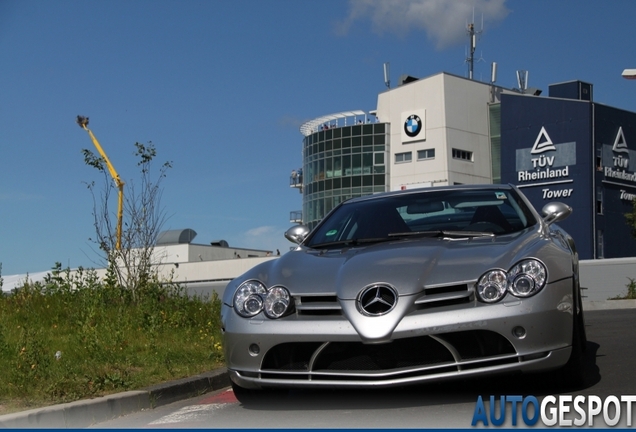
<point x="83" y="122"/>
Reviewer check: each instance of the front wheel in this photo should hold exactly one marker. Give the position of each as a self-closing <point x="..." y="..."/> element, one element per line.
<point x="249" y="396"/>
<point x="573" y="373"/>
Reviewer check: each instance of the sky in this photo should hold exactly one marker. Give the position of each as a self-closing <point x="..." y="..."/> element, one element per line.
<point x="222" y="87"/>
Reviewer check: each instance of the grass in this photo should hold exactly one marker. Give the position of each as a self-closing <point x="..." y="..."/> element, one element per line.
<point x="74" y="337"/>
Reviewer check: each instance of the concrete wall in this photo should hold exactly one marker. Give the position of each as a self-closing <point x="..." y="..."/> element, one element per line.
<point x="210" y="270"/>
<point x="189" y="253"/>
<point x="601" y="279"/>
<point x="606" y="278"/>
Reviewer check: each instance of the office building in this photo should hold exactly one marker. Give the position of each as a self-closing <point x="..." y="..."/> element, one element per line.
<point x="446" y="130"/>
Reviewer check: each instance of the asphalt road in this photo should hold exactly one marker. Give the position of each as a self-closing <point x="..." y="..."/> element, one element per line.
<point x="611" y="349"/>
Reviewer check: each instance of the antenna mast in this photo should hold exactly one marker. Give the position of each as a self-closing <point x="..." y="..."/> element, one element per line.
<point x="472" y="34"/>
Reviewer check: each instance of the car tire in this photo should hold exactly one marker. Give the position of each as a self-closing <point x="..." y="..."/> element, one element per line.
<point x="573" y="373"/>
<point x="250" y="396"/>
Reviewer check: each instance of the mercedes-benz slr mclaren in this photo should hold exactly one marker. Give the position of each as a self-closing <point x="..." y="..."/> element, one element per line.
<point x="408" y="287"/>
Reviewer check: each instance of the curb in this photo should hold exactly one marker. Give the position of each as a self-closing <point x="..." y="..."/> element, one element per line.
<point x="84" y="413"/>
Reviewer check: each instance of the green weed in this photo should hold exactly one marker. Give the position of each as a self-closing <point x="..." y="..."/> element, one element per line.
<point x="73" y="336"/>
<point x="631" y="291"/>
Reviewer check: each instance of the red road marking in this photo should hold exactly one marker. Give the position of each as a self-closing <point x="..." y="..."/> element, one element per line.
<point x="226" y="396"/>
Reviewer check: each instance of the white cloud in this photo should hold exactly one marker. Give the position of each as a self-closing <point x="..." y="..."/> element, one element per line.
<point x="265" y="238"/>
<point x="260" y="231"/>
<point x="444" y="21"/>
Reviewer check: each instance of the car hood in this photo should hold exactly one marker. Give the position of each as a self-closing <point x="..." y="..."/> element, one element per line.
<point x="409" y="265"/>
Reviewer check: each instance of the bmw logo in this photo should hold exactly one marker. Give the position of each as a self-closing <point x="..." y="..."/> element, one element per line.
<point x="413" y="125"/>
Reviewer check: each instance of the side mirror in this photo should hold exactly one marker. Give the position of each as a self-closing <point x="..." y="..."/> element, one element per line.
<point x="555" y="212"/>
<point x="297" y="234"/>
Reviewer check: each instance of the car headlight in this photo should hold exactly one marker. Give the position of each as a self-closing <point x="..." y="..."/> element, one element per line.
<point x="492" y="286"/>
<point x="248" y="299"/>
<point x="251" y="297"/>
<point x="276" y="302"/>
<point x="524" y="279"/>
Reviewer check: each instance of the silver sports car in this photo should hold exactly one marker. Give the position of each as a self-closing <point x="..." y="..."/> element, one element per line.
<point x="411" y="286"/>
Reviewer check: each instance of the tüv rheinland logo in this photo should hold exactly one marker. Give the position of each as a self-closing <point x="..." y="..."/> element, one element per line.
<point x="545" y="160"/>
<point x="623" y="166"/>
<point x="562" y="410"/>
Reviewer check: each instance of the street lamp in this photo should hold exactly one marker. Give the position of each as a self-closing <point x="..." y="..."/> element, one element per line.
<point x="629" y="74"/>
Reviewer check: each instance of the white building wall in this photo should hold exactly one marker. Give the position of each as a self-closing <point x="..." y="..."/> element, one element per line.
<point x="209" y="270"/>
<point x="213" y="253"/>
<point x="183" y="253"/>
<point x="172" y="253"/>
<point x="423" y="96"/>
<point x="454" y="111"/>
<point x="467" y="128"/>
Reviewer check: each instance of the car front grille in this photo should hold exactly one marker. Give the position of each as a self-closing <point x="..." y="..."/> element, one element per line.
<point x="445" y="295"/>
<point x="432" y="297"/>
<point x="402" y="358"/>
<point x="317" y="305"/>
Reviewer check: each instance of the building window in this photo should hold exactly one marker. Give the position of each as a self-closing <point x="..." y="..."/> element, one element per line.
<point x="463" y="155"/>
<point x="426" y="154"/>
<point x="403" y="157"/>
<point x="599" y="200"/>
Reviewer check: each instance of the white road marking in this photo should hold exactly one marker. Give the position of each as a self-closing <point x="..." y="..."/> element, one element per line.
<point x="192" y="413"/>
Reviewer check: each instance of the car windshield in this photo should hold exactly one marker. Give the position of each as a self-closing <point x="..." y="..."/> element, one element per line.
<point x="457" y="213"/>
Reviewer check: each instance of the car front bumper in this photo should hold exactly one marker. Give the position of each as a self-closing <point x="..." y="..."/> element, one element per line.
<point x="445" y="342"/>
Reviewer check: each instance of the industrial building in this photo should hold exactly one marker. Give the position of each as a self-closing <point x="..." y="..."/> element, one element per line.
<point x="175" y="246"/>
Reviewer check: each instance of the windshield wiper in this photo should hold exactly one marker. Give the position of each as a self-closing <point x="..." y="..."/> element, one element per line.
<point x="443" y="233"/>
<point x="350" y="242"/>
<point x="395" y="236"/>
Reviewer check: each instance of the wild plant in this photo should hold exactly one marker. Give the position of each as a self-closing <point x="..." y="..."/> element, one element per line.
<point x="73" y="336"/>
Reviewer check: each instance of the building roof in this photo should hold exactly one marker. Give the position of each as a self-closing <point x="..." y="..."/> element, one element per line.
<point x="311" y="126"/>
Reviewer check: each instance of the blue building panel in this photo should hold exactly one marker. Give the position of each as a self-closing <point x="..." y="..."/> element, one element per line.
<point x="547" y="151"/>
<point x="615" y="142"/>
<point x="571" y="90"/>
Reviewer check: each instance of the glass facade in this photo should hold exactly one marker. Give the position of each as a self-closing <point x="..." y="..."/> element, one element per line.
<point x="342" y="163"/>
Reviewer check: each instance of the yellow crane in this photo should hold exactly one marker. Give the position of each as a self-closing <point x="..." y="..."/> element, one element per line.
<point x="83" y="122"/>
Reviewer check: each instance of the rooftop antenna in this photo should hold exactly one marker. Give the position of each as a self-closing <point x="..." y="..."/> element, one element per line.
<point x="472" y="34"/>
<point x="493" y="79"/>
<point x="522" y="80"/>
<point x="387" y="75"/>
